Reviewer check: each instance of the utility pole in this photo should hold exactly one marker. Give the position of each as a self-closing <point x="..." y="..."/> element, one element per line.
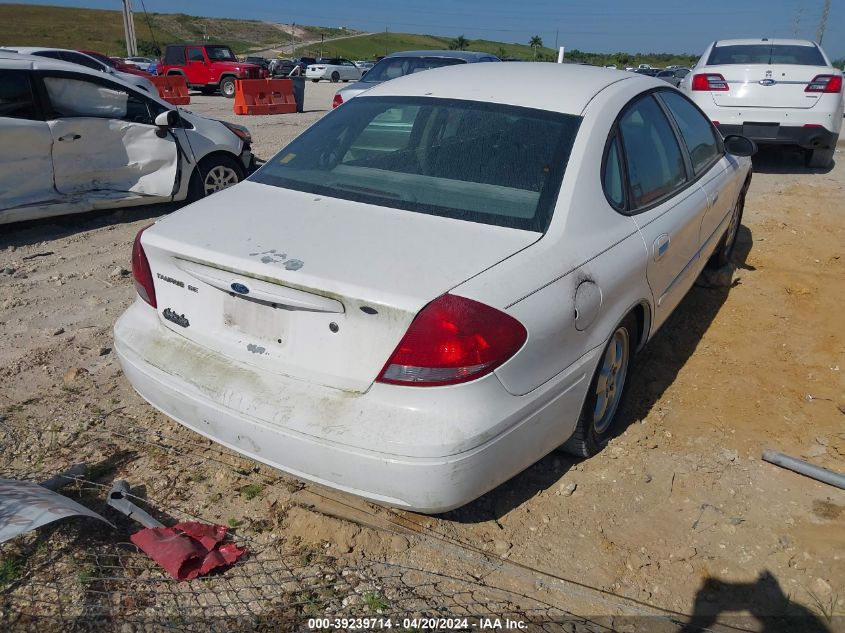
<point x="556" y="34"/>
<point x="823" y="21"/>
<point x="129" y="29"/>
<point x="322" y="35"/>
<point x="292" y="40"/>
<point x="796" y="26"/>
<point x="385" y="42"/>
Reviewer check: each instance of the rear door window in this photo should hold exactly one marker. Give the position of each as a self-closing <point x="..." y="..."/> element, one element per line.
<point x="656" y="167"/>
<point x="16" y="97"/>
<point x="766" y="54"/>
<point x="696" y="130"/>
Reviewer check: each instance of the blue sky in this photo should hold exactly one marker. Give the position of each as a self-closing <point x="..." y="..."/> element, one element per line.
<point x="590" y="25"/>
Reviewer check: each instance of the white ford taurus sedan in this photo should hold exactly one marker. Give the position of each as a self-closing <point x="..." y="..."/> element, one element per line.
<point x="439" y="283"/>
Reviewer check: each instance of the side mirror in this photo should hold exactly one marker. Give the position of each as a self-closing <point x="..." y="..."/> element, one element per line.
<point x="168" y="118"/>
<point x="740" y="145"/>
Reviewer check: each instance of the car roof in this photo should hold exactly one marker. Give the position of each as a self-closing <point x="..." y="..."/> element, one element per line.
<point x="28" y="50"/>
<point x="762" y="40"/>
<point x="554" y="87"/>
<point x="21" y="61"/>
<point x="467" y="55"/>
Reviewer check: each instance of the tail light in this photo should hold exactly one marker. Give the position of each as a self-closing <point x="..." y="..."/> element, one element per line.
<point x="141" y="271"/>
<point x="338" y="100"/>
<point x="710" y="81"/>
<point x="453" y="340"/>
<point x="825" y="83"/>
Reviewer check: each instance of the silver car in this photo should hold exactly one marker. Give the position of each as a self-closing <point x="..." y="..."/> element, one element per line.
<point x="673" y="76"/>
<point x="81" y="59"/>
<point x="406" y="63"/>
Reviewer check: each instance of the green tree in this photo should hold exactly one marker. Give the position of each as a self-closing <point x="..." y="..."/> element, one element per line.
<point x="535" y="43"/>
<point x="148" y="49"/>
<point x="460" y="43"/>
<point x="501" y="53"/>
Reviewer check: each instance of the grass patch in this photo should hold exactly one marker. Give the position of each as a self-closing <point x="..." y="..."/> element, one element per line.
<point x="233" y="523"/>
<point x="375" y="601"/>
<point x="10" y="570"/>
<point x="251" y="491"/>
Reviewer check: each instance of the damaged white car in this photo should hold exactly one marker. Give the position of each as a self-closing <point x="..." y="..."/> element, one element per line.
<point x="74" y="140"/>
<point x="438" y="283"/>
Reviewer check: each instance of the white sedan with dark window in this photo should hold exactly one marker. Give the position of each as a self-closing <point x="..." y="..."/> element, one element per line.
<point x="334" y="70"/>
<point x="439" y="283"/>
<point x="776" y="92"/>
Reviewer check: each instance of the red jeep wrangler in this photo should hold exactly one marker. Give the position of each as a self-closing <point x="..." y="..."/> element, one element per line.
<point x="208" y="67"/>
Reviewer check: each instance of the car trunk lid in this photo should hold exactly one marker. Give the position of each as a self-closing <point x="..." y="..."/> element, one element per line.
<point x="309" y="286"/>
<point x="767" y="85"/>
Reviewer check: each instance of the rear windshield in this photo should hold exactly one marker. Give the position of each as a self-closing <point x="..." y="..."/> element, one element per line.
<point x="473" y="161"/>
<point x="393" y="67"/>
<point x="766" y="54"/>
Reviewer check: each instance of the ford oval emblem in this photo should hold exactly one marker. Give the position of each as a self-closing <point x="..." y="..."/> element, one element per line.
<point x="240" y="288"/>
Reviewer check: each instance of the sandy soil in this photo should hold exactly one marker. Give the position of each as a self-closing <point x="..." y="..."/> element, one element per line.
<point x="679" y="512"/>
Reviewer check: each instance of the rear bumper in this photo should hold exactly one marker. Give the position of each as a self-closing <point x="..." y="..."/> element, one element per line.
<point x="356" y="442"/>
<point x="806" y="137"/>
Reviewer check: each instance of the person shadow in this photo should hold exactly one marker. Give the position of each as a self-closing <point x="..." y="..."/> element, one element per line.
<point x="763" y="599"/>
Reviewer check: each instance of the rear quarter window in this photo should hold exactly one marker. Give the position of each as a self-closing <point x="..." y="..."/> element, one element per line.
<point x="766" y="54"/>
<point x="656" y="167"/>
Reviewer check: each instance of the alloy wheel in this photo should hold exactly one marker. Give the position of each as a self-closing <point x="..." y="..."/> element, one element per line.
<point x="611" y="380"/>
<point x="218" y="178"/>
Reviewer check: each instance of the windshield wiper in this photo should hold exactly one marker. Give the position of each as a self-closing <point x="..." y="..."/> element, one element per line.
<point x="368" y="190"/>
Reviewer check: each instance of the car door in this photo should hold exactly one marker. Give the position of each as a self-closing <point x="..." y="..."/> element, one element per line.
<point x="26" y="170"/>
<point x="195" y="65"/>
<point x="719" y="174"/>
<point x="664" y="202"/>
<point x="104" y="139"/>
<point x="348" y="70"/>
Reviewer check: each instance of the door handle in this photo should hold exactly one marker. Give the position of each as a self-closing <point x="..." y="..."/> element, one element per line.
<point x="661" y="245"/>
<point x="69" y="137"/>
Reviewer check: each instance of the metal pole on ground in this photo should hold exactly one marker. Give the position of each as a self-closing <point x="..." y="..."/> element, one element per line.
<point x="804" y="468"/>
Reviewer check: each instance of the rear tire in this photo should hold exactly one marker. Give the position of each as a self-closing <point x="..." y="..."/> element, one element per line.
<point x="608" y="387"/>
<point x="724" y="251"/>
<point x="227" y="87"/>
<point x="819" y="158"/>
<point x="212" y="174"/>
<point x="335" y="77"/>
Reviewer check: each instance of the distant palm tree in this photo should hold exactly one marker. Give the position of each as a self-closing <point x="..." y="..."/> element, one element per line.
<point x="535" y="43"/>
<point x="460" y="43"/>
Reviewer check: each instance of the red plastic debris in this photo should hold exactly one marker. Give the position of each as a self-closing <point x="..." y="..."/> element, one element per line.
<point x="187" y="550"/>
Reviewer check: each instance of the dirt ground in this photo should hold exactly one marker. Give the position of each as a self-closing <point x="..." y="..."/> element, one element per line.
<point x="679" y="514"/>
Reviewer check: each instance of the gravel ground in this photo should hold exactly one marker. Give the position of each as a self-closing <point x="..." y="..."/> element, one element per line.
<point x="678" y="513"/>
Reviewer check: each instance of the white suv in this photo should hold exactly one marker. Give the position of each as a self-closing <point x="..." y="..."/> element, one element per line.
<point x="776" y="92"/>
